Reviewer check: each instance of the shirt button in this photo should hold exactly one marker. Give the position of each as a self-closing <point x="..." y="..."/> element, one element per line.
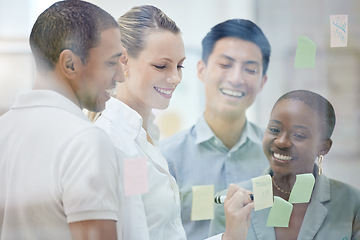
<point x="177" y="222"/>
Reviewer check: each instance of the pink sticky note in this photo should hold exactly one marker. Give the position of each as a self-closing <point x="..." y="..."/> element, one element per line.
<point x="135" y="176"/>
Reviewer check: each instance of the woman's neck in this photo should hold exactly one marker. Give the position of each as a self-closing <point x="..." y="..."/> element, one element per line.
<point x="283" y="184"/>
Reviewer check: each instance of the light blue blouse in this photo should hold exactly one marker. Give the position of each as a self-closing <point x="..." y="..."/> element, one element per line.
<point x="333" y="213"/>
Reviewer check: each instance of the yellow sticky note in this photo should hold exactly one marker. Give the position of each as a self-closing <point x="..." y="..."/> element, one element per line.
<point x="305" y="53"/>
<point x="302" y="189"/>
<point x="202" y="202"/>
<point x="263" y="192"/>
<point x="280" y="213"/>
<point x="338" y="30"/>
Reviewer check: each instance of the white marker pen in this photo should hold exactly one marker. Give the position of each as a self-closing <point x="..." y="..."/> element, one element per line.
<point x="221" y="199"/>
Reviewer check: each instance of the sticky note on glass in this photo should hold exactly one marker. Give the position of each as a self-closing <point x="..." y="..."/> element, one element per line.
<point x="280" y="213"/>
<point x="202" y="202"/>
<point x="338" y="30"/>
<point x="263" y="192"/>
<point x="135" y="176"/>
<point x="302" y="189"/>
<point x="305" y="53"/>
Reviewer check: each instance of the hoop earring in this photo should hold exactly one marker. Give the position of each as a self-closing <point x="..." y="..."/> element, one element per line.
<point x="320" y="161"/>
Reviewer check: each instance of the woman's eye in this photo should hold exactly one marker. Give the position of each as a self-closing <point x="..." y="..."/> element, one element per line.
<point x="180" y="66"/>
<point x="274" y="130"/>
<point x="159" y="66"/>
<point x="299" y="136"/>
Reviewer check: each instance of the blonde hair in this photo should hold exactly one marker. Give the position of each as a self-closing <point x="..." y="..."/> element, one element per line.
<point x="139" y="21"/>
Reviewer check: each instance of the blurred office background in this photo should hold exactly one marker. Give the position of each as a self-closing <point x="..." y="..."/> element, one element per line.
<point x="336" y="74"/>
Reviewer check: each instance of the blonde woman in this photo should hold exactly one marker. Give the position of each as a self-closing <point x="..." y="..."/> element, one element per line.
<point x="152" y="64"/>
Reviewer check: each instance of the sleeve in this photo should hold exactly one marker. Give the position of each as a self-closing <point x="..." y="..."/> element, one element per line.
<point x="90" y="177"/>
<point x="216" y="237"/>
<point x="356" y="226"/>
<point x="135" y="225"/>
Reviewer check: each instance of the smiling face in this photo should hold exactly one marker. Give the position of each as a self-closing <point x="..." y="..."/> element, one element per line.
<point x="232" y="76"/>
<point x="101" y="72"/>
<point x="155" y="73"/>
<point x="293" y="139"/>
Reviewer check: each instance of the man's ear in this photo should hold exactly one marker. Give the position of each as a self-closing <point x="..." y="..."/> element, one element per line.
<point x="201" y="66"/>
<point x="67" y="62"/>
<point x="124" y="61"/>
<point x="326" y="145"/>
<point x="262" y="83"/>
<point x="124" y="57"/>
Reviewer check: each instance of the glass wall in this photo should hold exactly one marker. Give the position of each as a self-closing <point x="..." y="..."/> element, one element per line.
<point x="335" y="75"/>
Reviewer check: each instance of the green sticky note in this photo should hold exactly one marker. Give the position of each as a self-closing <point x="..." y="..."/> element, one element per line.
<point x="202" y="202"/>
<point x="280" y="213"/>
<point x="302" y="189"/>
<point x="305" y="53"/>
<point x="263" y="192"/>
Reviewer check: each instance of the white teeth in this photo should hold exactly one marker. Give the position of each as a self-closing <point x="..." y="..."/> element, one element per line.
<point x="232" y="93"/>
<point x="282" y="157"/>
<point x="167" y="92"/>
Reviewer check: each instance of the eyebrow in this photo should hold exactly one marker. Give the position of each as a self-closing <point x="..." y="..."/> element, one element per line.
<point x="227" y="57"/>
<point x="296" y="126"/>
<point x="117" y="55"/>
<point x="233" y="60"/>
<point x="170" y="60"/>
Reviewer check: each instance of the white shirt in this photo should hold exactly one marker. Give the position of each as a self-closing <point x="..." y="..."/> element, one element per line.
<point x="56" y="167"/>
<point x="155" y="214"/>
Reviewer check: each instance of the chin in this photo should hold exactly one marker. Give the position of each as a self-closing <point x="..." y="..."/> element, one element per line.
<point x="161" y="106"/>
<point x="98" y="107"/>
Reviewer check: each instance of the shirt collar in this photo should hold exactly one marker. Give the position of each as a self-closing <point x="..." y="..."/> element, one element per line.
<point x="47" y="98"/>
<point x="120" y="113"/>
<point x="204" y="133"/>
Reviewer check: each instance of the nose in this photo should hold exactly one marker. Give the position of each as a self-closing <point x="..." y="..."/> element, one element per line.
<point x="174" y="77"/>
<point x="235" y="75"/>
<point x="283" y="141"/>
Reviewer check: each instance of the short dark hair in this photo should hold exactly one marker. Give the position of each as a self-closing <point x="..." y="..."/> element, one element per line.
<point x="239" y="28"/>
<point x="71" y="24"/>
<point x="317" y="102"/>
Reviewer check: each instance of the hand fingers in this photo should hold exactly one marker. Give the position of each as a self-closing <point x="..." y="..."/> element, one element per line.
<point x="239" y="193"/>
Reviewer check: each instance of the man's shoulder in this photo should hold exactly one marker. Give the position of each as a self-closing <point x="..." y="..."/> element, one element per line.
<point x="177" y="139"/>
<point x="259" y="131"/>
<point x="74" y="127"/>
